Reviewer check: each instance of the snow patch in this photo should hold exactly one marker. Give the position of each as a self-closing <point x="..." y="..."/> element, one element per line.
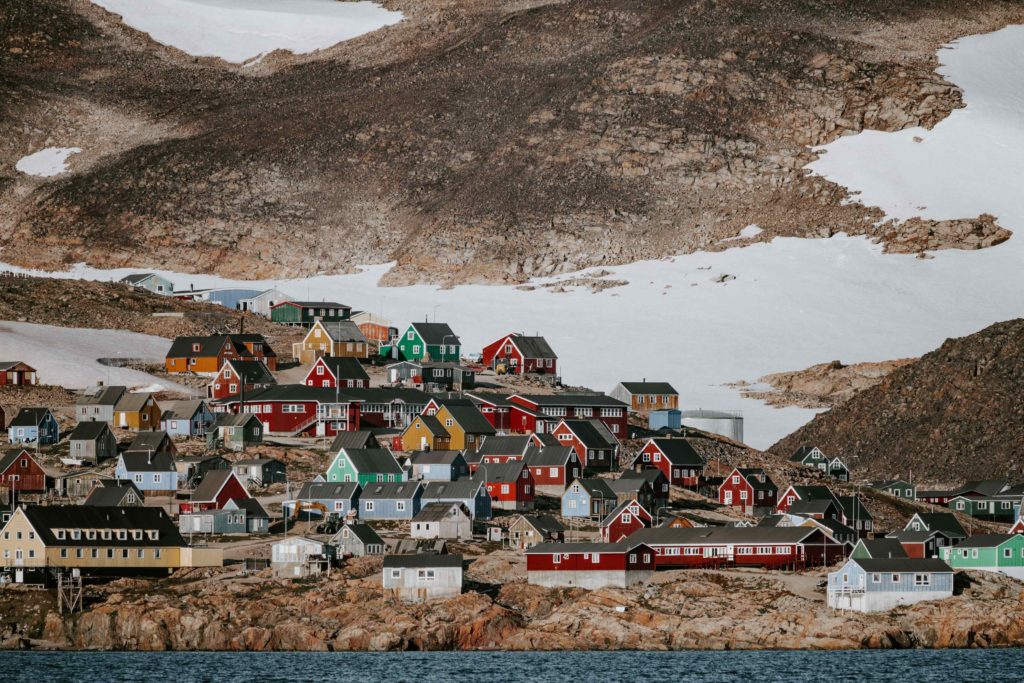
<point x="746" y="233"/>
<point x="48" y="162"/>
<point x="238" y="31"/>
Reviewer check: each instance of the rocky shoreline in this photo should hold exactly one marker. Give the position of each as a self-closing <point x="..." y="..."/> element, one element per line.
<point x="709" y="610"/>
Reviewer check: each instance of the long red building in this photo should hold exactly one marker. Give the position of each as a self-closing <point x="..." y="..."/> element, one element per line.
<point x="771" y="547"/>
<point x="589" y="565"/>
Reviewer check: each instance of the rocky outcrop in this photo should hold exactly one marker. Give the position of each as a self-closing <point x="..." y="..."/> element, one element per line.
<point x="676" y="610"/>
<point x="820" y="386"/>
<point x="956" y="413"/>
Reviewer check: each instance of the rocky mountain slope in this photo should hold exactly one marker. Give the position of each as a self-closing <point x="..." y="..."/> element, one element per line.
<point x="957" y="413"/>
<point x="676" y="610"/>
<point x="820" y="386"/>
<point x="485" y="141"/>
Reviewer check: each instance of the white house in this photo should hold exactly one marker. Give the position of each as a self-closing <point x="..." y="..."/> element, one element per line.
<point x="881" y="584"/>
<point x="298" y="557"/>
<point x="443" y="520"/>
<point x="422" y="577"/>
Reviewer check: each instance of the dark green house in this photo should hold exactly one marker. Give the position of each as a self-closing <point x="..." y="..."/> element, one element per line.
<point x="305" y="313"/>
<point x="429" y="342"/>
<point x="991" y="508"/>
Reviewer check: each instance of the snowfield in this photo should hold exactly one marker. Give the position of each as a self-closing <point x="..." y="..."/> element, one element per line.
<point x="47" y="162"/>
<point x="66" y="356"/>
<point x="793" y="302"/>
<point x="242" y="30"/>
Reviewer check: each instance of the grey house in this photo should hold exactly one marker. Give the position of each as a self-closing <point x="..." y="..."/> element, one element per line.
<point x="438" y="465"/>
<point x="358" y="540"/>
<point x="339" y="498"/>
<point x="259" y="472"/>
<point x="237" y="430"/>
<point x="212" y="522"/>
<point x="257" y="519"/>
<point x="192" y="468"/>
<point x="97" y="403"/>
<point x="78" y="485"/>
<point x="115" y="494"/>
<point x="422" y="577"/>
<point x="443" y="520"/>
<point x="149" y="281"/>
<point x="92" y="442"/>
<point x="395" y="500"/>
<point x="470" y="492"/>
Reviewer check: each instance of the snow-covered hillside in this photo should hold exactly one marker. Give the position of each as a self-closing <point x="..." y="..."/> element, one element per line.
<point x="241" y="30"/>
<point x="67" y="356"/>
<point x="793" y="302"/>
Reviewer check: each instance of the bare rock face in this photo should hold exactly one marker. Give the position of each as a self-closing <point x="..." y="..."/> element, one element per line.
<point x="470" y="142"/>
<point x="917" y="235"/>
<point x="821" y="386"/>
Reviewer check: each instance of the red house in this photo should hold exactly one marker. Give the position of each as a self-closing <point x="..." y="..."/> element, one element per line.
<point x="238" y="376"/>
<point x="16" y="373"/>
<point x="510" y="485"/>
<point x="748" y="488"/>
<point x="337" y="371"/>
<point x="676" y="458"/>
<point x="595" y="446"/>
<point x="498" y="449"/>
<point x="495" y="407"/>
<point x="19" y="472"/>
<point x="770" y="547"/>
<point x="790" y="502"/>
<point x="541" y="413"/>
<point x="293" y="409"/>
<point x="214" y="491"/>
<point x="553" y="468"/>
<point x="521" y="355"/>
<point x="629" y="517"/>
<point x="589" y="565"/>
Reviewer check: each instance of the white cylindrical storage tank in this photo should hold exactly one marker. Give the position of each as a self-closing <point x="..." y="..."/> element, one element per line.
<point x="728" y="423"/>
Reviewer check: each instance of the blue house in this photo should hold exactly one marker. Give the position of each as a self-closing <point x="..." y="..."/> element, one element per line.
<point x="395" y="500"/>
<point x="588" y="499"/>
<point x="34" y="423"/>
<point x="338" y="498"/>
<point x="881" y="584"/>
<point x="438" y="465"/>
<point x="151" y="472"/>
<point x="665" y="419"/>
<point x="470" y="492"/>
<point x="186" y="418"/>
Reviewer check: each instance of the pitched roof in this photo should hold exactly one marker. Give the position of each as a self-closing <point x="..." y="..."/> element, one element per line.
<point x="573" y="548"/>
<point x="364" y="532"/>
<point x="253" y="508"/>
<point x="435" y="334"/>
<point x="432" y="425"/>
<point x="589" y="399"/>
<point x="989" y="487"/>
<point x="816" y="506"/>
<point x="985" y="540"/>
<point x="628" y="484"/>
<point x="723" y="534"/>
<point x="853" y="508"/>
<point x="941" y="521"/>
<point x="815" y="493"/>
<point x="620" y="508"/>
<point x="132" y="402"/>
<point x="161" y="461"/>
<point x="436" y="512"/>
<point x="421" y="561"/>
<point x="328" y="490"/>
<point x="343" y="367"/>
<point x="533" y="347"/>
<point x="210" y="345"/>
<point x="434" y="457"/>
<point x="235" y="419"/>
<point x="504" y="445"/>
<point x="590" y="433"/>
<point x="754" y="475"/>
<point x="470" y="419"/>
<point x="102" y="396"/>
<point x="649" y="387"/>
<point x="597" y="488"/>
<point x="181" y="410"/>
<point x="546" y="524"/>
<point x="88" y="431"/>
<point x="360" y="439"/>
<point x="136" y="278"/>
<point x="506" y="471"/>
<point x="549" y="456"/>
<point x="147" y="442"/>
<point x="46" y="518"/>
<point x="377" y="460"/>
<point x="251" y="371"/>
<point x="10" y="456"/>
<point x="29" y="417"/>
<point x="112" y="496"/>
<point x="312" y="304"/>
<point x="399" y="490"/>
<point x="679" y="452"/>
<point x="213" y="481"/>
<point x="882" y="547"/>
<point x="649" y="474"/>
<point x="800" y="453"/>
<point x="463" y="489"/>
<point x="903" y="565"/>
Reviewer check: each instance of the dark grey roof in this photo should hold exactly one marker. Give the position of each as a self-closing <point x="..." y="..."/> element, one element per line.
<point x="621" y="507"/>
<point x="727" y="535"/>
<point x="46" y="518"/>
<point x="628" y="484"/>
<point x="252" y="371"/>
<point x="490" y="398"/>
<point x="572" y="548"/>
<point x="365" y="533"/>
<point x="421" y="561"/>
<point x="754" y="476"/>
<point x="360" y="439"/>
<point x="132" y="402"/>
<point x="253" y="508"/>
<point x="989" y="487"/>
<point x="506" y="471"/>
<point x="812" y="507"/>
<point x="800" y="453"/>
<point x="146" y="442"/>
<point x="88" y="431"/>
<point x="533" y="347"/>
<point x="433" y="425"/>
<point x="549" y="456"/>
<point x="343" y="367"/>
<point x="590" y="432"/>
<point x="376" y="460"/>
<point x="435" y="457"/>
<point x="235" y="419"/>
<point x="883" y="547"/>
<point x="853" y="508"/>
<point x="463" y="489"/>
<point x="545" y="524"/>
<point x="343" y="331"/>
<point x="436" y="334"/>
<point x="112" y="496"/>
<point x="649" y="387"/>
<point x="815" y="493"/>
<point x="161" y="461"/>
<point x="470" y="419"/>
<point x="104" y="396"/>
<point x="399" y="490"/>
<point x="504" y="445"/>
<point x="136" y="278"/>
<point x="941" y="521"/>
<point x="436" y="512"/>
<point x="593" y="399"/>
<point x="313" y="304"/>
<point x="181" y="410"/>
<point x="679" y="452"/>
<point x="328" y="490"/>
<point x="10" y="456"/>
<point x="650" y="474"/>
<point x="597" y="488"/>
<point x="213" y="481"/>
<point x="985" y="540"/>
<point x="211" y="345"/>
<point x="904" y="565"/>
<point x="29" y="417"/>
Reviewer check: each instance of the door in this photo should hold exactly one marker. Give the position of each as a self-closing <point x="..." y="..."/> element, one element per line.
<point x="19" y="576"/>
<point x="728" y="498"/>
<point x="197" y="524"/>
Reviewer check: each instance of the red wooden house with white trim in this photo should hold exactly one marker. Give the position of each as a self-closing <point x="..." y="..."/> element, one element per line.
<point x="553" y="468"/>
<point x="589" y="565"/>
<point x="21" y="473"/>
<point x="541" y="413"/>
<point x="495" y="407"/>
<point x="676" y="458"/>
<point x="748" y="488"/>
<point x="596" y="447"/>
<point x="629" y="517"/>
<point x="214" y="492"/>
<point x="17" y="373"/>
<point x="237" y="376"/>
<point x="510" y="485"/>
<point x="521" y="355"/>
<point x="794" y="495"/>
<point x="753" y="546"/>
<point x="337" y="371"/>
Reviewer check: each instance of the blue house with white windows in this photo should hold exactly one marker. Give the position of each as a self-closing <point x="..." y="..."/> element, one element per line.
<point x="396" y="500"/>
<point x="881" y="584"/>
<point x="470" y="492"/>
<point x="150" y="472"/>
<point x="316" y="496"/>
<point x="589" y="499"/>
<point x="34" y="423"/>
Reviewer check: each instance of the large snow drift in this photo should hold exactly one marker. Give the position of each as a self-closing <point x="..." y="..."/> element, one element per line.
<point x="67" y="356"/>
<point x="794" y="302"/>
<point x="240" y="30"/>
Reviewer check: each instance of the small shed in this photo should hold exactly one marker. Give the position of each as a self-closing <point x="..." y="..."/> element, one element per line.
<point x="443" y="520"/>
<point x="92" y="442"/>
<point x="418" y="578"/>
<point x="298" y="557"/>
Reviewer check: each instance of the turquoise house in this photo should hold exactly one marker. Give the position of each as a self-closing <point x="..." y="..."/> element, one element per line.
<point x="365" y="466"/>
<point x="430" y="342"/>
<point x="999" y="553"/>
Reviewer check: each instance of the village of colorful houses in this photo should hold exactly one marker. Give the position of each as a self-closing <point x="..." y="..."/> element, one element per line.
<point x="431" y="455"/>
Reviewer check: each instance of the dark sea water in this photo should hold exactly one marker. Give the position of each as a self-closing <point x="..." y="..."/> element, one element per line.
<point x="905" y="666"/>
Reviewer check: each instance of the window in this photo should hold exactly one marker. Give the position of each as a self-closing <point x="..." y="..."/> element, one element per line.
<point x="409" y="336"/>
<point x="504" y="488"/>
<point x="140" y="553"/>
<point x="1007" y="552"/>
<point x="157" y="478"/>
<point x="319" y="369"/>
<point x="449" y="422"/>
<point x="368" y="505"/>
<point x="552" y="471"/>
<point x="156" y="553"/>
<point x="110" y="553"/>
<point x="597" y="558"/>
<point x="60" y="534"/>
<point x="396" y="573"/>
<point x="63" y="552"/>
<point x="400" y="506"/>
<point x="415" y="349"/>
<point x="78" y="553"/>
<point x="736" y="479"/>
<point x="426" y="574"/>
<point x="922" y="579"/>
<point x="95" y="553"/>
<point x="895" y="578"/>
<point x="627" y="518"/>
<point x="632" y="558"/>
<point x="124" y="553"/>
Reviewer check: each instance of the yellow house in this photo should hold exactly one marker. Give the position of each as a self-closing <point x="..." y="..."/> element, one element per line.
<point x="341" y="339"/>
<point x="425" y="433"/>
<point x="98" y="541"/>
<point x="138" y="412"/>
<point x="466" y="426"/>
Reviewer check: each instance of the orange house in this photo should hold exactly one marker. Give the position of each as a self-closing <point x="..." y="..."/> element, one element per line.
<point x="138" y="412"/>
<point x="206" y="355"/>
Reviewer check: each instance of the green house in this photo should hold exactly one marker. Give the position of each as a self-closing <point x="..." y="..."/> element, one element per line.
<point x="989" y="508"/>
<point x="431" y="342"/>
<point x="305" y="313"/>
<point x="365" y="466"/>
<point x="1001" y="553"/>
<point x="896" y="487"/>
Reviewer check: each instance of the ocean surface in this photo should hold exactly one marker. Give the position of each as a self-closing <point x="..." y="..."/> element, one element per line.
<point x="907" y="666"/>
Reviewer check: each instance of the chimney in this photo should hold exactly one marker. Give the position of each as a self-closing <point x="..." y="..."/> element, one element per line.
<point x="241" y="324"/>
